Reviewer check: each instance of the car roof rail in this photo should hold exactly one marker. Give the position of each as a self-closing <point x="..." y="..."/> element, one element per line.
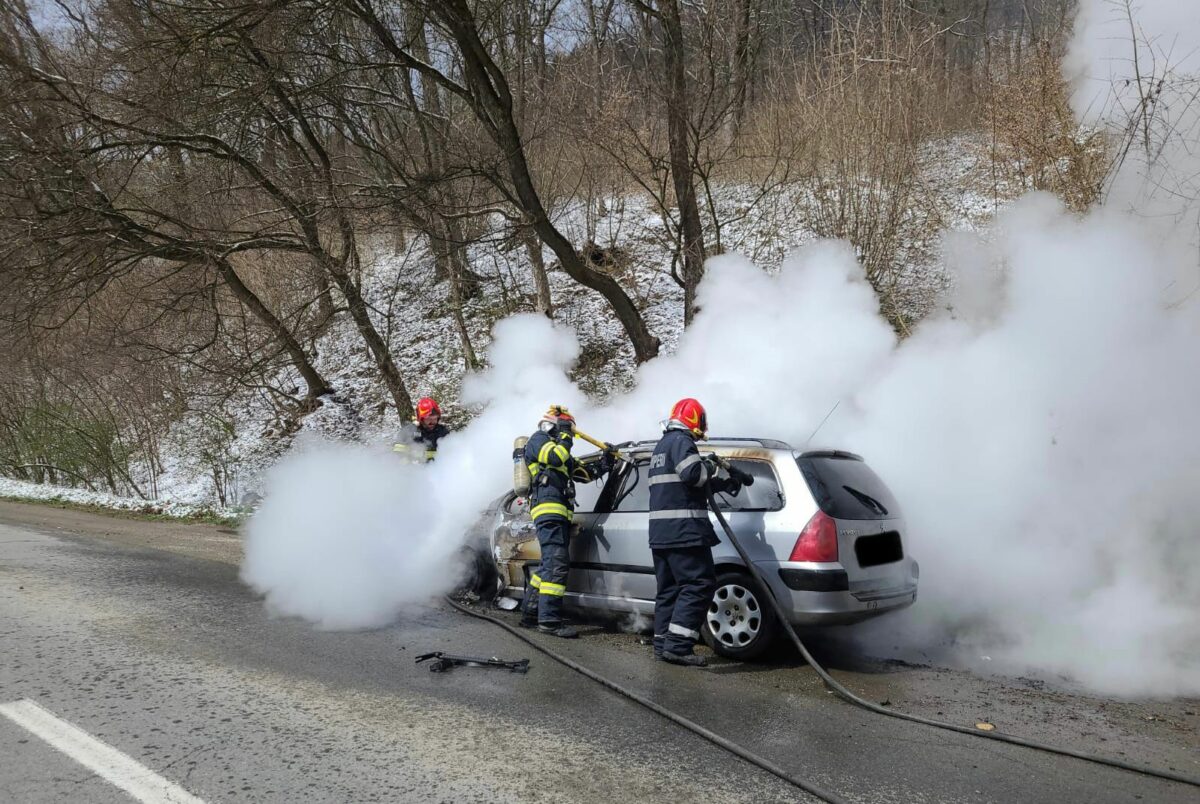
<point x="765" y="443"/>
<point x="768" y="443"/>
<point x="830" y="453"/>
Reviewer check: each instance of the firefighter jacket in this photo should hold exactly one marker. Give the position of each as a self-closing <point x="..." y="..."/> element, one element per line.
<point x="679" y="480"/>
<point x="414" y="439"/>
<point x="554" y="473"/>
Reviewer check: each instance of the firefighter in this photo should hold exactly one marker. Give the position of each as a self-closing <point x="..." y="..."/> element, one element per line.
<point x="552" y="504"/>
<point x="681" y="535"/>
<point x="423" y="433"/>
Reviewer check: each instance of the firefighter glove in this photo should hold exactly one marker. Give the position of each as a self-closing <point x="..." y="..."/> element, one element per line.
<point x="742" y="478"/>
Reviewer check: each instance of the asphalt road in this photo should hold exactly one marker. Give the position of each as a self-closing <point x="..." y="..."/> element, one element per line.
<point x="141" y="636"/>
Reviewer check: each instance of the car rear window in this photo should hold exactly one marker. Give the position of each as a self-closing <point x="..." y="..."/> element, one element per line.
<point x="846" y="488"/>
<point x="763" y="495"/>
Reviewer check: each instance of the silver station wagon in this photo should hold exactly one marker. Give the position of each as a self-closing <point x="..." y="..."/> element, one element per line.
<point x="820" y="526"/>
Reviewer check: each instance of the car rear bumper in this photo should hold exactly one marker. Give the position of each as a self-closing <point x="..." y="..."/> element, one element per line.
<point x="827" y="596"/>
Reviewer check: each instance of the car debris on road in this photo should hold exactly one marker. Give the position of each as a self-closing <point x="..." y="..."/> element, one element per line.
<point x="448" y="661"/>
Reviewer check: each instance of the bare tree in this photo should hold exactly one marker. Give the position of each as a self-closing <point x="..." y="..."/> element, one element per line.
<point x="485" y="88"/>
<point x="679" y="136"/>
<point x="55" y="186"/>
<point x="302" y="199"/>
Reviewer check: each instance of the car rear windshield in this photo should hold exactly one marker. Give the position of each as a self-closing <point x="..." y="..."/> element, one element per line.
<point x="763" y="495"/>
<point x="846" y="488"/>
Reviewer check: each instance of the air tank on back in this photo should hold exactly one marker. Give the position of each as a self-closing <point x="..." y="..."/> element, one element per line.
<point x="522" y="480"/>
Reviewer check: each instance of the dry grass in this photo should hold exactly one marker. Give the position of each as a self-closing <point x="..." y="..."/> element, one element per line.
<point x="1037" y="143"/>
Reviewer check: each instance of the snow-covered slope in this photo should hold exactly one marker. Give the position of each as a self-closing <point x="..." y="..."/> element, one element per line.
<point x="199" y="457"/>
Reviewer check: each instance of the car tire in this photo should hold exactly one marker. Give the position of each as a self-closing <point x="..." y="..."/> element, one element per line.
<point x="739" y="623"/>
<point x="476" y="574"/>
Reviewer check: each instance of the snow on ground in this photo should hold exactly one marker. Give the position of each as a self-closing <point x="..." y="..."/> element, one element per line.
<point x="213" y="453"/>
<point x="19" y="489"/>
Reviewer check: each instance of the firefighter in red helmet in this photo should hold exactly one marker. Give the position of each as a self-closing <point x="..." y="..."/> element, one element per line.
<point x="681" y="535"/>
<point x="419" y="438"/>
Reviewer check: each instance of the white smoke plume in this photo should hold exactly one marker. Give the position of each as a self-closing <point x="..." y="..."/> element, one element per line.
<point x="345" y="536"/>
<point x="348" y="536"/>
<point x="1041" y="434"/>
<point x="1045" y="448"/>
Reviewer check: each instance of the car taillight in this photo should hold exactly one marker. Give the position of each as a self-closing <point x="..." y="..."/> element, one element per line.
<point x="818" y="540"/>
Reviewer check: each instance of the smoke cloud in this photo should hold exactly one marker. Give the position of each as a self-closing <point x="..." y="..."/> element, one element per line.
<point x="349" y="537"/>
<point x="1044" y="447"/>
<point x="1040" y="433"/>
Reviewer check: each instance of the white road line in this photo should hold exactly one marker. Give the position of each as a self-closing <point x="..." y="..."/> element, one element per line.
<point x="105" y="761"/>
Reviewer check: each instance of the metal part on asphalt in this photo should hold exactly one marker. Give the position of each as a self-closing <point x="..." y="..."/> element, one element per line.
<point x="448" y="661"/>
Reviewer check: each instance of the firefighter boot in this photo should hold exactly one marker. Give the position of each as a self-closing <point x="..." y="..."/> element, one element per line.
<point x="558" y="630"/>
<point x="685" y="659"/>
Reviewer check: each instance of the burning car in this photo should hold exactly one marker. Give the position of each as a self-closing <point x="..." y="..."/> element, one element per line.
<point x="820" y="525"/>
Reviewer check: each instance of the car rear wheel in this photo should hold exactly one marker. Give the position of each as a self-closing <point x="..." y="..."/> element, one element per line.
<point x="739" y="623"/>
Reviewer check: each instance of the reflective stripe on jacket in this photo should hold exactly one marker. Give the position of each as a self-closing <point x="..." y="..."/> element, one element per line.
<point x="414" y="437"/>
<point x="554" y="474"/>
<point x="678" y="481"/>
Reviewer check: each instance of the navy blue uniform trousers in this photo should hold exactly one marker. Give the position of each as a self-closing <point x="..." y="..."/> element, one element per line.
<point x="686" y="582"/>
<point x="549" y="581"/>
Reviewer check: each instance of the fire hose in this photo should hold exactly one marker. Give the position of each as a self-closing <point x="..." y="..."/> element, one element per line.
<point x="659" y="709"/>
<point x="829" y="681"/>
<point x="851" y="697"/>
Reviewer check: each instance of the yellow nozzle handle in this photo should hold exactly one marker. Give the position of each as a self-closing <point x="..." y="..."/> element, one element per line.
<point x="593" y="441"/>
<point x="598" y="444"/>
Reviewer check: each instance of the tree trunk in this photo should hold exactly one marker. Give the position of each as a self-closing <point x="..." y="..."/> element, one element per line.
<point x="987" y="42"/>
<point x="451" y="260"/>
<point x="445" y="232"/>
<point x="541" y="282"/>
<point x="378" y="347"/>
<point x="742" y="72"/>
<point x="493" y="105"/>
<point x="539" y="46"/>
<point x="598" y="25"/>
<point x="324" y="290"/>
<point x="459" y="270"/>
<point x="678" y="136"/>
<point x="312" y="378"/>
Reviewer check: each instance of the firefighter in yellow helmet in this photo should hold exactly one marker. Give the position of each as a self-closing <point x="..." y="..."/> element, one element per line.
<point x="552" y="506"/>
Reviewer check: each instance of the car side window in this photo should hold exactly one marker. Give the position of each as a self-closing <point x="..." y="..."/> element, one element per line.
<point x="587" y="495"/>
<point x="764" y="495"/>
<point x="635" y="491"/>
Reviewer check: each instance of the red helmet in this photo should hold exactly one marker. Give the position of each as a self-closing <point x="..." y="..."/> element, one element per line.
<point x="427" y="407"/>
<point x="691" y="415"/>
